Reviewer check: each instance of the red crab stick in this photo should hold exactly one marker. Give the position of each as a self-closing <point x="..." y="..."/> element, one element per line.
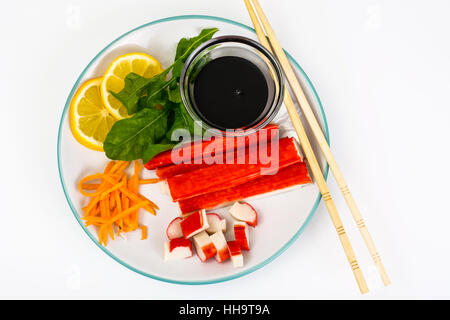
<point x="222" y="176"/>
<point x="295" y="174"/>
<point x="165" y="158"/>
<point x="169" y="171"/>
<point x="243" y="155"/>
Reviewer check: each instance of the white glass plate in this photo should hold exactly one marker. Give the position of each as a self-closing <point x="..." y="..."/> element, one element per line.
<point x="282" y="217"/>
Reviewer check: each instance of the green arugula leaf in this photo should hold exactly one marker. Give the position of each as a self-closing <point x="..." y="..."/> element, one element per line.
<point x="135" y="85"/>
<point x="164" y="140"/>
<point x="134" y="88"/>
<point x="186" y="46"/>
<point x="157" y="108"/>
<point x="182" y="120"/>
<point x="158" y="93"/>
<point x="174" y="94"/>
<point x="130" y="138"/>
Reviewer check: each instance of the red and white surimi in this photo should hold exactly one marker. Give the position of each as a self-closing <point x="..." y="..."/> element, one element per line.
<point x="220" y="243"/>
<point x="296" y="174"/>
<point x="177" y="249"/>
<point x="215" y="223"/>
<point x="241" y="234"/>
<point x="204" y="246"/>
<point x="223" y="146"/>
<point x="174" y="229"/>
<point x="169" y="171"/>
<point x="223" y="176"/>
<point x="194" y="224"/>
<point x="244" y="212"/>
<point x="235" y="253"/>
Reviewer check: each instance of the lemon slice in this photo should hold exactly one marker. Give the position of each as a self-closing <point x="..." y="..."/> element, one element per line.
<point x="90" y="121"/>
<point x="114" y="78"/>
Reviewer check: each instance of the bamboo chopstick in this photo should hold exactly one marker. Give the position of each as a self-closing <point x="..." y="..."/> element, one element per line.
<point x="317" y="131"/>
<point x="315" y="168"/>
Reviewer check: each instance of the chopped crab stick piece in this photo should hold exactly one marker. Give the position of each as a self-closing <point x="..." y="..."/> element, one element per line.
<point x="174" y="229"/>
<point x="177" y="249"/>
<point x="194" y="223"/>
<point x="244" y="212"/>
<point x="296" y="174"/>
<point x="241" y="234"/>
<point x="215" y="223"/>
<point x="220" y="243"/>
<point x="223" y="145"/>
<point x="204" y="246"/>
<point x="235" y="253"/>
<point x="226" y="176"/>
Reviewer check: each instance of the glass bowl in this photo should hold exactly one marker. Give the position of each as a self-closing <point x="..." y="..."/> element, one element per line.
<point x="234" y="46"/>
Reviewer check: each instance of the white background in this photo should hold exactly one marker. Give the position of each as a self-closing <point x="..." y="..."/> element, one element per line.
<point x="382" y="71"/>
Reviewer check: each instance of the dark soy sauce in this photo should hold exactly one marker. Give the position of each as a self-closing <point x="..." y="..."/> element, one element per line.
<point x="230" y="92"/>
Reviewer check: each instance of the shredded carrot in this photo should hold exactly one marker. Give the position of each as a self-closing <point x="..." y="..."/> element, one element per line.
<point x="115" y="200"/>
<point x="118" y="208"/>
<point x="112" y="201"/>
<point x="110" y="178"/>
<point x="148" y="181"/>
<point x="114" y="167"/>
<point x="103" y="185"/>
<point x="137" y="168"/>
<point x="89" y="178"/>
<point x="144" y="232"/>
<point x="137" y="198"/>
<point x="109" y="166"/>
<point x="90" y="186"/>
<point x="102" y="237"/>
<point x="122" y="166"/>
<point x="125" y="201"/>
<point x="149" y="201"/>
<point x="126" y="212"/>
<point x="113" y="188"/>
<point x="111" y="231"/>
<point x="92" y="204"/>
<point x="107" y="206"/>
<point x="135" y="188"/>
<point x="103" y="208"/>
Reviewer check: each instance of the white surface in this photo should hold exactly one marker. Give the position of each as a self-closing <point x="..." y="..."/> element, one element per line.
<point x="382" y="71"/>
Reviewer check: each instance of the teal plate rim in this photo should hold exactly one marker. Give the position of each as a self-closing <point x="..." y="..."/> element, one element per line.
<point x="222" y="279"/>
